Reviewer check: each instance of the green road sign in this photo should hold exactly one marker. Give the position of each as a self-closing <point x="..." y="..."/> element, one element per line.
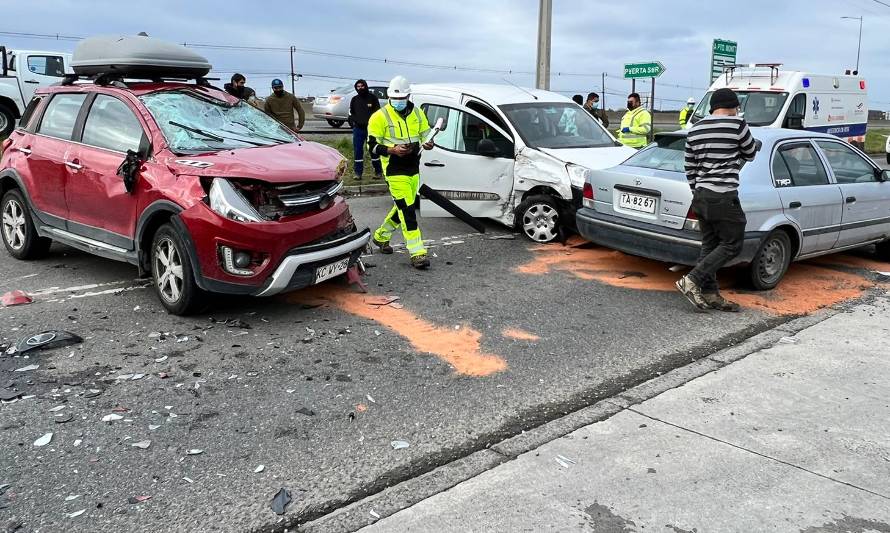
<point x="722" y="53"/>
<point x="653" y="69"/>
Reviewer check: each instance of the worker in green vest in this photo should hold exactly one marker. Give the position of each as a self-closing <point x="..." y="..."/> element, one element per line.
<point x="686" y="112"/>
<point x="636" y="124"/>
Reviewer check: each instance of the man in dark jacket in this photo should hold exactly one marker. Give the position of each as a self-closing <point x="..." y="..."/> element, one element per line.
<point x="281" y="104"/>
<point x="592" y="105"/>
<point x="361" y="107"/>
<point x="238" y="87"/>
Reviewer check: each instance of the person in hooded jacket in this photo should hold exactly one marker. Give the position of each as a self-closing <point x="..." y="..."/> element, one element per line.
<point x="361" y="107"/>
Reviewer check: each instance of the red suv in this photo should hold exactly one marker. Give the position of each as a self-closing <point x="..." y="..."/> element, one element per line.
<point x="202" y="191"/>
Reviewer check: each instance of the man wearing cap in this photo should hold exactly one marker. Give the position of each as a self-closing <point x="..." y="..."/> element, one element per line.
<point x="281" y="104"/>
<point x="397" y="133"/>
<point x="716" y="149"/>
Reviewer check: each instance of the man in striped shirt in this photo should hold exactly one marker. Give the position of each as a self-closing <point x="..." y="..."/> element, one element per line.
<point x="716" y="149"/>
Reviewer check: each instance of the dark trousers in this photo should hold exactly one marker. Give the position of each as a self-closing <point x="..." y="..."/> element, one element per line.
<point x="722" y="222"/>
<point x="359" y="137"/>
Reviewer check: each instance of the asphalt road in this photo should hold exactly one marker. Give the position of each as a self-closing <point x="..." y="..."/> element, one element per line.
<point x="499" y="336"/>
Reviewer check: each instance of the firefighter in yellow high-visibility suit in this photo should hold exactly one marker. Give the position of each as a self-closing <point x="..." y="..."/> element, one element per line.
<point x="396" y="133"/>
<point x="636" y="124"/>
<point x="686" y="112"/>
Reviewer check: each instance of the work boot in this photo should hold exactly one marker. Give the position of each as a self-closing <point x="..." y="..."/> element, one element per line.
<point x="357" y="177"/>
<point x="718" y="302"/>
<point x="378" y="175"/>
<point x="692" y="292"/>
<point x="384" y="247"/>
<point x="420" y="262"/>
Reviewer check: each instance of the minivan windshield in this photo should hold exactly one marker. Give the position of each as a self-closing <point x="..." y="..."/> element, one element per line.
<point x="556" y="125"/>
<point x="196" y="123"/>
<point x="757" y="107"/>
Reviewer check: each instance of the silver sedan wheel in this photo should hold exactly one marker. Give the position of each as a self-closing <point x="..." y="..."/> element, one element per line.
<point x="14" y="224"/>
<point x="168" y="271"/>
<point x="540" y="222"/>
<point x="772" y="260"/>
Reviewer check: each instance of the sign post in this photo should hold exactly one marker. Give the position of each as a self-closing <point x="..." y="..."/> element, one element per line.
<point x="652" y="69"/>
<point x="722" y="53"/>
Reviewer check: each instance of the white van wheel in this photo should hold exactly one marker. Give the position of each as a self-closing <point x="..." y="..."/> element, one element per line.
<point x="538" y="218"/>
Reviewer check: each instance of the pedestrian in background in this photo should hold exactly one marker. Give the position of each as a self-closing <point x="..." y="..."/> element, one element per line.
<point x="361" y="107"/>
<point x="238" y="88"/>
<point x="636" y="124"/>
<point x="686" y="112"/>
<point x="397" y="133"/>
<point x="578" y="99"/>
<point x="716" y="149"/>
<point x="592" y="105"/>
<point x="281" y="105"/>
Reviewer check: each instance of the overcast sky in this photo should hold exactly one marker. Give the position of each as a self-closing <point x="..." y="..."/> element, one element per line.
<point x="589" y="37"/>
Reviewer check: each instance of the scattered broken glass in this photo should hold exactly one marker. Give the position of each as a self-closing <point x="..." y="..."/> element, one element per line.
<point x="112" y="417"/>
<point x="75" y="514"/>
<point x="259" y="469"/>
<point x="27" y="368"/>
<point x="399" y="444"/>
<point x="44" y="440"/>
<point x="195" y="451"/>
<point x="142" y="444"/>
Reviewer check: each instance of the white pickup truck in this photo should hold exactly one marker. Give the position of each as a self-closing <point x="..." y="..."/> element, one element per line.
<point x="21" y="73"/>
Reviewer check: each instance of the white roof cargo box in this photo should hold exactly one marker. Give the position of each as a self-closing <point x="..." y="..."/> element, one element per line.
<point x="137" y="56"/>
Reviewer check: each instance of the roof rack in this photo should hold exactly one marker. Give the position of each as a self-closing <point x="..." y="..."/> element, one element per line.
<point x="729" y="70"/>
<point x="117" y="80"/>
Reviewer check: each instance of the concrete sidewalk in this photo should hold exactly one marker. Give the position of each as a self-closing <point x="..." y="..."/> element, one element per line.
<point x="795" y="437"/>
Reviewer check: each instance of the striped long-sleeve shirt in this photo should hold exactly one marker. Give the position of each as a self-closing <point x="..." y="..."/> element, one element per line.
<point x="716" y="149"/>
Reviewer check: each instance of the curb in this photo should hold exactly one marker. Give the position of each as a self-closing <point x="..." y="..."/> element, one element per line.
<point x="374" y="189"/>
<point x="408" y="493"/>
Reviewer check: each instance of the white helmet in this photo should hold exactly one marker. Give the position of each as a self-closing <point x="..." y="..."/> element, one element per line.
<point x="691" y="101"/>
<point x="398" y="88"/>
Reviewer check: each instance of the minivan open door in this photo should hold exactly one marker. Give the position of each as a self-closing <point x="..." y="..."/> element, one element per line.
<point x="471" y="163"/>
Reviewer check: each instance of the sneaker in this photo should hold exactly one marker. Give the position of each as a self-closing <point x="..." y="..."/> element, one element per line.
<point x="420" y="262"/>
<point x="357" y="177"/>
<point x="718" y="302"/>
<point x="692" y="292"/>
<point x="378" y="176"/>
<point x="384" y="247"/>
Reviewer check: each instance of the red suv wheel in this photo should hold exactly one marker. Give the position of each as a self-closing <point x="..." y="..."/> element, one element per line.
<point x="171" y="272"/>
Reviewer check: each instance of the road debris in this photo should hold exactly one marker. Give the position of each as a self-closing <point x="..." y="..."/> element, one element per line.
<point x="373" y="513"/>
<point x="788" y="340"/>
<point x="112" y="417"/>
<point x="72" y="497"/>
<point x="195" y="451"/>
<point x="63" y="418"/>
<point x="564" y="461"/>
<point x="8" y="395"/>
<point x="75" y="514"/>
<point x="142" y="444"/>
<point x="12" y="298"/>
<point x="502" y="238"/>
<point x="77" y="442"/>
<point x="232" y="323"/>
<point x="306" y="411"/>
<point x="188" y="479"/>
<point x="280" y="501"/>
<point x="138" y="499"/>
<point x="399" y="444"/>
<point x="152" y="427"/>
<point x="44" y="440"/>
<point x="47" y="340"/>
<point x="27" y="368"/>
<point x="259" y="469"/>
<point x="161" y="359"/>
<point x="380" y="301"/>
<point x="57" y="408"/>
<point x="371" y="398"/>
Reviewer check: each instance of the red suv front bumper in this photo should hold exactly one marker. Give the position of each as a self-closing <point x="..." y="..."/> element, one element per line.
<point x="289" y="251"/>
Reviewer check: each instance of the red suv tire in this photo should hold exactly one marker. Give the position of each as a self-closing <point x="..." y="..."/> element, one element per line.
<point x="172" y="275"/>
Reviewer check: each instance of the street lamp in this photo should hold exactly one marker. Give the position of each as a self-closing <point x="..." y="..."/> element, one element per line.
<point x="859" y="48"/>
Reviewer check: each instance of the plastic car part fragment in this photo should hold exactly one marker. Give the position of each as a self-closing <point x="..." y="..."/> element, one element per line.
<point x="47" y="340"/>
<point x="280" y="501"/>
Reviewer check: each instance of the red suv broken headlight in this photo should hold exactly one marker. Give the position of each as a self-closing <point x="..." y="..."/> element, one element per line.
<point x="228" y="202"/>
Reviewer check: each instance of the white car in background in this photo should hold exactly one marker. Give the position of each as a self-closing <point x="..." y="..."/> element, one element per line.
<point x="334" y="107"/>
<point x="516" y="155"/>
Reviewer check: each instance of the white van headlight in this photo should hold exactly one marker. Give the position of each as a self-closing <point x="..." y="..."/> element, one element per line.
<point x="578" y="174"/>
<point x="228" y="202"/>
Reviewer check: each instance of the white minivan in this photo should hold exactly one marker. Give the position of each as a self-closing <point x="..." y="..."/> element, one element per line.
<point x="775" y="98"/>
<point x="516" y="155"/>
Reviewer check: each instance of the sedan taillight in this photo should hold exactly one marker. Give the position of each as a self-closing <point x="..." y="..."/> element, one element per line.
<point x="588" y="196"/>
<point x="691" y="223"/>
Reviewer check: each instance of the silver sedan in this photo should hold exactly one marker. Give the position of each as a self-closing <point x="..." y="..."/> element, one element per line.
<point x="334" y="108"/>
<point x="805" y="195"/>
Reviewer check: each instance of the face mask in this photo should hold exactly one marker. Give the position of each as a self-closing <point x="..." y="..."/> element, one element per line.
<point x="631" y="106"/>
<point x="595" y="105"/>
<point x="399" y="105"/>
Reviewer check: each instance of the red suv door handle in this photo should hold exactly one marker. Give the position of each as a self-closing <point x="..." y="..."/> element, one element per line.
<point x="73" y="164"/>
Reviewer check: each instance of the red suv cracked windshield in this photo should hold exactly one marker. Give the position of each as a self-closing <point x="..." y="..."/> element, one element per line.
<point x="201" y="191"/>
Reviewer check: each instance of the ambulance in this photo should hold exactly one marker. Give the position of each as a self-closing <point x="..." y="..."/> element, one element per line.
<point x="775" y="98"/>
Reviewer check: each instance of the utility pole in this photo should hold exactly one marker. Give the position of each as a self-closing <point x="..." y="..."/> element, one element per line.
<point x="652" y="111"/>
<point x="603" y="96"/>
<point x="545" y="16"/>
<point x="859" y="47"/>
<point x="293" y="75"/>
